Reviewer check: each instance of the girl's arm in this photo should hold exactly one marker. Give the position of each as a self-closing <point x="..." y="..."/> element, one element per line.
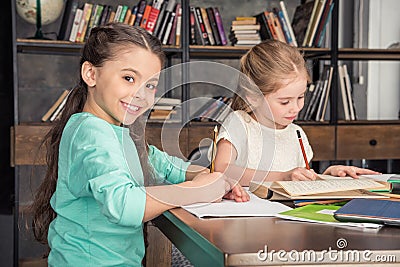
<point x="205" y="187"/>
<point x="226" y="155"/>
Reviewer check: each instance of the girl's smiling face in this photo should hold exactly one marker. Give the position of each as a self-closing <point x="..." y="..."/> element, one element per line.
<point x="281" y="107"/>
<point x="123" y="88"/>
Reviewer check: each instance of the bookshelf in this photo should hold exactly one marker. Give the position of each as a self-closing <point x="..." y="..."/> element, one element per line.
<point x="332" y="140"/>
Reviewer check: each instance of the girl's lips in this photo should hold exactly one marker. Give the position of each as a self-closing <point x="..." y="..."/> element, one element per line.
<point x="131" y="109"/>
<point x="290" y="118"/>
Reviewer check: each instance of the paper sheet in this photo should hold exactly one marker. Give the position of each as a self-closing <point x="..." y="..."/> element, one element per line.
<point x="229" y="208"/>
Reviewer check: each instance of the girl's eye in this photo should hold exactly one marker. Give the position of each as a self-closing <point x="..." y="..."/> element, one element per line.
<point x="285" y="103"/>
<point x="129" y="79"/>
<point x="151" y="86"/>
<point x="302" y="96"/>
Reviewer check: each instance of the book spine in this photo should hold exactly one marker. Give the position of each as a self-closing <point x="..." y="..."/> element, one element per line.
<point x="193" y="35"/>
<point x="321" y="34"/>
<point x="141" y="7"/>
<point x="207" y="25"/>
<point x="145" y="18"/>
<point x="106" y="12"/>
<point x="160" y="18"/>
<point x="287" y="20"/>
<point x="75" y="27"/>
<point x="178" y="28"/>
<point x="270" y="20"/>
<point x="68" y="20"/>
<point x="133" y="16"/>
<point x="285" y="28"/>
<point x="128" y="15"/>
<point x="168" y="28"/>
<point x="218" y="20"/>
<point x="265" y="32"/>
<point x="202" y="28"/>
<point x="118" y="13"/>
<point x="152" y="20"/>
<point x="214" y="28"/>
<point x="87" y="10"/>
<point x="168" y="11"/>
<point x="123" y="13"/>
<point x="172" y="35"/>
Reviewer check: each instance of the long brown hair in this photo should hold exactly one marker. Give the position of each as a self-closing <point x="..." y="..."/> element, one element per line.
<point x="103" y="45"/>
<point x="269" y="65"/>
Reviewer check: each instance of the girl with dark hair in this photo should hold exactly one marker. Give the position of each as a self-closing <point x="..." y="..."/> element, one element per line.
<point x="96" y="194"/>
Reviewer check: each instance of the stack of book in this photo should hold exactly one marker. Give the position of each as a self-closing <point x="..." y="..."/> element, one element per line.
<point x="206" y="27"/>
<point x="158" y="17"/>
<point x="245" y="31"/>
<point x="56" y="109"/>
<point x="165" y="109"/>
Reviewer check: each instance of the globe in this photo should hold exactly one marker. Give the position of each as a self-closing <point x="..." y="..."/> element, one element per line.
<point x="50" y="10"/>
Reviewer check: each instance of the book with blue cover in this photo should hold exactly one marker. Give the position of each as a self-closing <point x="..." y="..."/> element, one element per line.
<point x="370" y="210"/>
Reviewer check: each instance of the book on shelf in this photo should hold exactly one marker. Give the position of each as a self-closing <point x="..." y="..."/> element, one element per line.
<point x="132" y="18"/>
<point x="75" y="26"/>
<point x="245" y="31"/>
<point x="326" y="72"/>
<point x="314" y="20"/>
<point x="287" y="20"/>
<point x="349" y="90"/>
<point x="326" y="187"/>
<point x="168" y="28"/>
<point x="307" y="97"/>
<point x="52" y="110"/>
<point x="213" y="24"/>
<point x="328" y="90"/>
<point x="68" y="19"/>
<point x="320" y="32"/>
<point x="160" y="17"/>
<point x="172" y="34"/>
<point x="140" y="11"/>
<point x="87" y="11"/>
<point x="178" y="29"/>
<point x="343" y="93"/>
<point x="284" y="26"/>
<point x="301" y="19"/>
<point x="220" y="26"/>
<point x="169" y="9"/>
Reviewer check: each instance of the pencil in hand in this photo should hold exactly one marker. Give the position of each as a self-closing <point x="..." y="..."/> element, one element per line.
<point x="302" y="149"/>
<point x="214" y="149"/>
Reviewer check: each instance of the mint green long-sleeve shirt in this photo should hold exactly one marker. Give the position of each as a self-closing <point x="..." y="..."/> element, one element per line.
<point x="100" y="197"/>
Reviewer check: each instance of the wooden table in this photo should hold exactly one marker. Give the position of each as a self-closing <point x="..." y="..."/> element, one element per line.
<point x="243" y="241"/>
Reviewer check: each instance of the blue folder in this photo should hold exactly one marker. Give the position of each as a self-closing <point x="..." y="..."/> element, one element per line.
<point x="370" y="210"/>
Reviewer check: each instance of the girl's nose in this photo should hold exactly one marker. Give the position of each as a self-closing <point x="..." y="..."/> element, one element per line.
<point x="139" y="92"/>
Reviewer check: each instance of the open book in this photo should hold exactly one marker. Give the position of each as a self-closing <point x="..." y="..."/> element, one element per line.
<point x="328" y="187"/>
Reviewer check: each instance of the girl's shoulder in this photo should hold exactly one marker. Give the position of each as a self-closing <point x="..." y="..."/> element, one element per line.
<point x="238" y="116"/>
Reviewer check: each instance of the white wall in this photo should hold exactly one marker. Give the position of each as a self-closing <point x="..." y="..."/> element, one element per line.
<point x="383" y="76"/>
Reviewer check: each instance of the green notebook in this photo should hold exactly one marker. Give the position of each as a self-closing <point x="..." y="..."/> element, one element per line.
<point x="317" y="213"/>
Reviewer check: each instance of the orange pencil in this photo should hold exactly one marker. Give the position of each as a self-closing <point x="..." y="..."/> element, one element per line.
<point x="302" y="149"/>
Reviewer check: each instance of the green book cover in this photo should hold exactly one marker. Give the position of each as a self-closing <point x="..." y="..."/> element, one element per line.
<point x="316" y="212"/>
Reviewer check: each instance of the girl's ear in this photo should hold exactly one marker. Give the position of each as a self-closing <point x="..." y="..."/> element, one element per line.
<point x="88" y="73"/>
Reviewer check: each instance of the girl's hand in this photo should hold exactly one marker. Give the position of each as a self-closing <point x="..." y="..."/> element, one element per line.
<point x="215" y="184"/>
<point x="238" y="194"/>
<point x="300" y="174"/>
<point x="342" y="171"/>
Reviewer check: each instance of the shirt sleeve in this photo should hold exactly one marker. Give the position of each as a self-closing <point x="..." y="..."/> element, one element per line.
<point x="99" y="170"/>
<point x="168" y="168"/>
<point x="234" y="131"/>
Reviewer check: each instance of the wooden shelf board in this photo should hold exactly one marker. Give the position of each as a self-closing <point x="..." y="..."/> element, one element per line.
<point x="369" y="54"/>
<point x="34" y="46"/>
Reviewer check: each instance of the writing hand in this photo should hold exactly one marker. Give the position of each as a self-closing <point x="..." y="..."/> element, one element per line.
<point x="300" y="174"/>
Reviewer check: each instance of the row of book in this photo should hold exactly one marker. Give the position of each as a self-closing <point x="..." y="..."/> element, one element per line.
<point x="215" y="109"/>
<point x="206" y="27"/>
<point x="317" y="96"/>
<point x="158" y="17"/>
<point x="310" y="22"/>
<point x="307" y="28"/>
